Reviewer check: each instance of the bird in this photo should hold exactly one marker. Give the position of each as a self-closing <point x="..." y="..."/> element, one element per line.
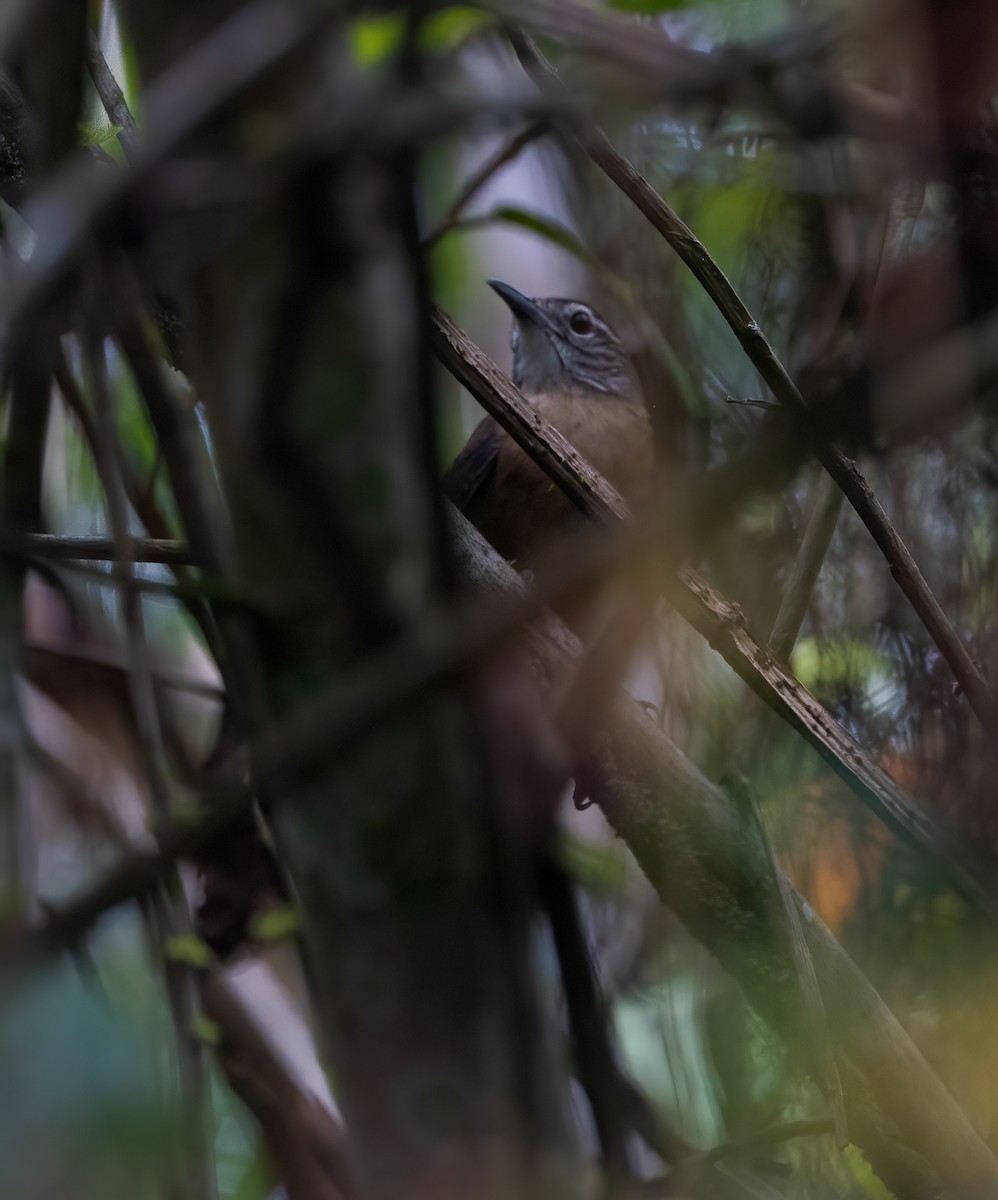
<point x="573" y="369"/>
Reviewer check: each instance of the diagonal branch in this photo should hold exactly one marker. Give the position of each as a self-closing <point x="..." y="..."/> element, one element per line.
<point x="479" y="178"/>
<point x="722" y="623"/>
<point x="763" y="357"/>
<point x="111" y="96"/>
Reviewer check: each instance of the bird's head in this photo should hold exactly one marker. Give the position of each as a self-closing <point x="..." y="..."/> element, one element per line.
<point x="560" y="345"/>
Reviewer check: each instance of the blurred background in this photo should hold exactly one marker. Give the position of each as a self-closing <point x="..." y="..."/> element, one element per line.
<point x="224" y="226"/>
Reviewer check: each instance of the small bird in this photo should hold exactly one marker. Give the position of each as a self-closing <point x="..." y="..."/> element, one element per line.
<point x="574" y="370"/>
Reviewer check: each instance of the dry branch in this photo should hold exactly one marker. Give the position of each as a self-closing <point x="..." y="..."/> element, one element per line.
<point x="95" y="549"/>
<point x="823" y="515"/>
<point x="111" y="96"/>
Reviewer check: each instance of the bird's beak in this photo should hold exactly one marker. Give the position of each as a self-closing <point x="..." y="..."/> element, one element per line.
<point x="521" y="306"/>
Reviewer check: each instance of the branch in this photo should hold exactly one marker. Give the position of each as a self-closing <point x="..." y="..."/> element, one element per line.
<point x="721" y="622"/>
<point x="763" y="75"/>
<point x="595" y="1060"/>
<point x="554" y="454"/>
<point x="478" y="179"/>
<point x="111" y="96"/>
<point x="98" y="549"/>
<point x="692" y="845"/>
<point x="775" y="1135"/>
<point x="826" y="504"/>
<point x="753" y="341"/>
<point x="306" y="1141"/>
<point x="257" y="38"/>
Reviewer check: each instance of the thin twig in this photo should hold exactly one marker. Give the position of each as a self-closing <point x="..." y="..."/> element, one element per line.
<point x="478" y="179"/>
<point x="111" y="96"/>
<point x="773" y="1136"/>
<point x="826" y="504"/>
<point x="254" y="40"/>
<point x="139" y="672"/>
<point x="142" y="499"/>
<point x="594" y="1056"/>
<point x="813" y="1011"/>
<point x="94" y="549"/>
<point x="182" y="446"/>
<point x="169" y="914"/>
<point x="72" y="654"/>
<point x="762" y="75"/>
<point x="753" y="341"/>
<point x="100" y="577"/>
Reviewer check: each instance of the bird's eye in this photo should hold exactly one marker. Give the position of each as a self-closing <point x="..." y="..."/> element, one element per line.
<point x="580" y="321"/>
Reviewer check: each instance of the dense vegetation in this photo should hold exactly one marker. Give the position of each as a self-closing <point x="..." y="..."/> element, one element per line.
<point x="330" y="860"/>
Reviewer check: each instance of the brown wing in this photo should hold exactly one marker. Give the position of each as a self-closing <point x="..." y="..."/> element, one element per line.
<point x="471" y="471"/>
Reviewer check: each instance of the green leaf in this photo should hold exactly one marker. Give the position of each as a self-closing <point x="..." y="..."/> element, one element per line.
<point x="190" y="950"/>
<point x="375" y="39"/>
<point x="871" y="1185"/>
<point x="846" y="661"/>
<point x="446" y="30"/>
<point x="206" y="1031"/>
<point x="103" y="136"/>
<point x="275" y="924"/>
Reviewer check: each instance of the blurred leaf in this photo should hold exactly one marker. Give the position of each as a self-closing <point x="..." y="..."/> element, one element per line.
<point x="846" y="661"/>
<point x="448" y="29"/>
<point x="545" y="228"/>
<point x="134" y="429"/>
<point x="601" y="870"/>
<point x="375" y="39"/>
<point x="188" y="949"/>
<point x="870" y="1184"/>
<point x="83" y="1112"/>
<point x="661" y="1037"/>
<point x="105" y="136"/>
<point x="204" y="1029"/>
<point x="276" y="924"/>
<point x="242" y="1164"/>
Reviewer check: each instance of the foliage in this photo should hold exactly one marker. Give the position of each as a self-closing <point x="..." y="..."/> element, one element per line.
<point x="285" y="828"/>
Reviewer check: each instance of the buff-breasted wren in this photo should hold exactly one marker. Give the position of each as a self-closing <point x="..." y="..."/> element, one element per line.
<point x="574" y="370"/>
